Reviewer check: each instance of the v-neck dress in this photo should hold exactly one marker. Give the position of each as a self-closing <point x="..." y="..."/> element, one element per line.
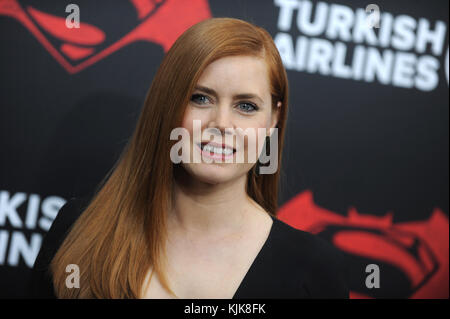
<point x="291" y="264"/>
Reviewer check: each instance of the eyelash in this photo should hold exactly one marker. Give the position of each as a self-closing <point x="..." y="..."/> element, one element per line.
<point x="255" y="107"/>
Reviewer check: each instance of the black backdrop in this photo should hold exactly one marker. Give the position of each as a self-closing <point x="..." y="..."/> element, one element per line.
<point x="367" y="150"/>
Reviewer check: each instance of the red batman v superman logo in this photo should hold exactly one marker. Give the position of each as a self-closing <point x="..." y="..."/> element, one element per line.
<point x="412" y="256"/>
<point x="158" y="21"/>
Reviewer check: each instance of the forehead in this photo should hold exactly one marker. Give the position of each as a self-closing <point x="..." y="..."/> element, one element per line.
<point x="235" y="74"/>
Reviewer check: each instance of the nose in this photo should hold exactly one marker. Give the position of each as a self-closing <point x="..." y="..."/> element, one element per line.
<point x="221" y="119"/>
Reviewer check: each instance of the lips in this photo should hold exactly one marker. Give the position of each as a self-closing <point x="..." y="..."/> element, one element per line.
<point x="216" y="145"/>
<point x="217" y="149"/>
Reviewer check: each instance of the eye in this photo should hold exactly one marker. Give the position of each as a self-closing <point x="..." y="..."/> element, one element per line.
<point x="248" y="107"/>
<point x="199" y="98"/>
<point x="245" y="107"/>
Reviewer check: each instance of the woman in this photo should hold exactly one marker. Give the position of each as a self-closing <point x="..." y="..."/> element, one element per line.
<point x="161" y="229"/>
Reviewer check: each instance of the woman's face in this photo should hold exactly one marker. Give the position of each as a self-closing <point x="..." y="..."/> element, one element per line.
<point x="231" y="96"/>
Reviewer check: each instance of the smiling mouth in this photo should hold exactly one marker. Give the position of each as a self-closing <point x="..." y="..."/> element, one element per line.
<point x="216" y="149"/>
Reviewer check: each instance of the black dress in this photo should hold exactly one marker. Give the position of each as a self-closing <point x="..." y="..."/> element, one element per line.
<point x="291" y="264"/>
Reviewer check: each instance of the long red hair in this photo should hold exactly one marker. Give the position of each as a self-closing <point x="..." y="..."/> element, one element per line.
<point x="121" y="233"/>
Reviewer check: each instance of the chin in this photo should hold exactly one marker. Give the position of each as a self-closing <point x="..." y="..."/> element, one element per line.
<point x="212" y="173"/>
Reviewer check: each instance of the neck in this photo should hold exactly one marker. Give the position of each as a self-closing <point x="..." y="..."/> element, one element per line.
<point x="205" y="209"/>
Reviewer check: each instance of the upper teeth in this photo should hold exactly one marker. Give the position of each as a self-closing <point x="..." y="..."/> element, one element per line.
<point x="218" y="150"/>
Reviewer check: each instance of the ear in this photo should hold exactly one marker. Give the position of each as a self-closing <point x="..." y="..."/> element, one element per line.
<point x="275" y="116"/>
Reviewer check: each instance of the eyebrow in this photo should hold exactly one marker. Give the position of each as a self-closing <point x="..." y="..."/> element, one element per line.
<point x="237" y="96"/>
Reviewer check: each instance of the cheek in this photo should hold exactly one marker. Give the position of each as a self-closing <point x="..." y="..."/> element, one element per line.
<point x="261" y="120"/>
<point x="187" y="121"/>
<point x="253" y="145"/>
<point x="191" y="115"/>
